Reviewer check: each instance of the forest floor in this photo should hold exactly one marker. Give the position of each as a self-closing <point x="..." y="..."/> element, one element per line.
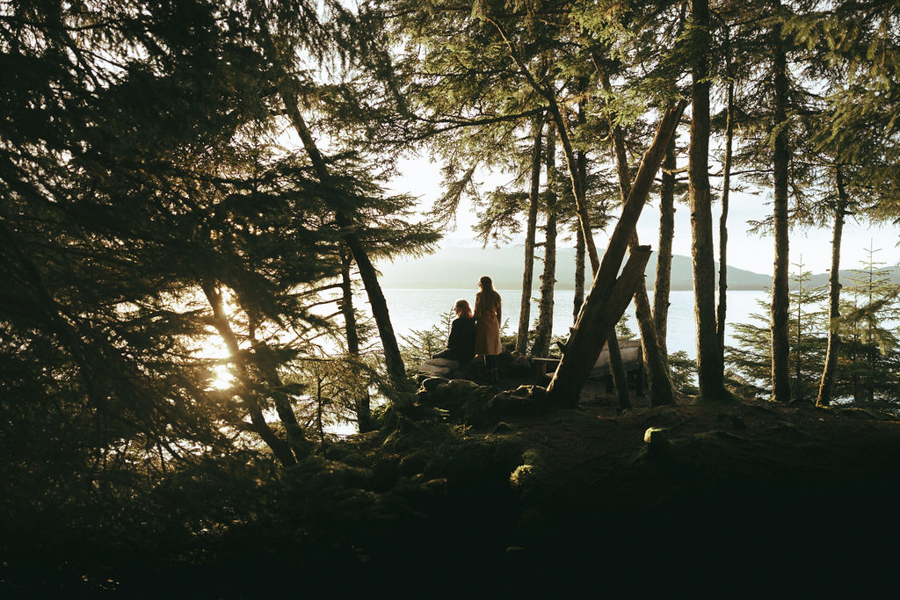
<point x="743" y="494"/>
<point x="739" y="498"/>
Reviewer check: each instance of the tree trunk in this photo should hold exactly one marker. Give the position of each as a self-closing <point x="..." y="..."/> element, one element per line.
<point x="269" y="374"/>
<point x="578" y="299"/>
<point x="710" y="367"/>
<point x="351" y="331"/>
<point x="829" y="374"/>
<point x="581" y="162"/>
<point x="392" y="358"/>
<point x="663" y="284"/>
<point x="617" y="371"/>
<point x="610" y="296"/>
<point x="548" y="279"/>
<point x="533" y="203"/>
<point x="279" y="447"/>
<point x="362" y="405"/>
<point x="579" y="274"/>
<point x="577" y="187"/>
<point x="781" y="376"/>
<point x="597" y="320"/>
<point x="722" y="309"/>
<point x="320" y="409"/>
<point x="660" y="384"/>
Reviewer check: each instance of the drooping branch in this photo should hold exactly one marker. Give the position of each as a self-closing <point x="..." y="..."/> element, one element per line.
<point x="555" y="112"/>
<point x="392" y="357"/>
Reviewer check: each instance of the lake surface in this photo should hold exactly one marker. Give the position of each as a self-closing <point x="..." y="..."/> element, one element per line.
<point x="418" y="309"/>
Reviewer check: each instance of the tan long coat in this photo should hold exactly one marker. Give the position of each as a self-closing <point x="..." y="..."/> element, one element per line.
<point x="487" y="329"/>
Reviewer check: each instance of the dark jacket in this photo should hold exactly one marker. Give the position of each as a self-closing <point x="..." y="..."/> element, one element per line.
<point x="461" y="343"/>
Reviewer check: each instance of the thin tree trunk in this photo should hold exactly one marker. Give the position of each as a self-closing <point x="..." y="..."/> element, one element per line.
<point x="722" y="309"/>
<point x="797" y="387"/>
<point x="829" y="373"/>
<point x="279" y="447"/>
<point x="617" y="371"/>
<point x="663" y="284"/>
<point x="268" y="373"/>
<point x="548" y="279"/>
<point x="320" y="406"/>
<point x="581" y="160"/>
<point x="781" y="377"/>
<point x="361" y="404"/>
<point x="577" y="187"/>
<point x="605" y="303"/>
<point x="578" y="300"/>
<point x="710" y="367"/>
<point x="533" y="204"/>
<point x="350" y="329"/>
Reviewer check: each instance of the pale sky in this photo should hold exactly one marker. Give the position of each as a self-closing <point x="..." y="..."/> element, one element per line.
<point x="422" y="179"/>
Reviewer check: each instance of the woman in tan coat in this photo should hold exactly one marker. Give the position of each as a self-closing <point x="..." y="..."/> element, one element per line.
<point x="487" y="324"/>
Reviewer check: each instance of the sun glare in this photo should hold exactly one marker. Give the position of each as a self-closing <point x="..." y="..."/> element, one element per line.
<point x="213" y="349"/>
<point x="223" y="378"/>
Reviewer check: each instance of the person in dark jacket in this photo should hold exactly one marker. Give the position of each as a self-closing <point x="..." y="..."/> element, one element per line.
<point x="461" y="343"/>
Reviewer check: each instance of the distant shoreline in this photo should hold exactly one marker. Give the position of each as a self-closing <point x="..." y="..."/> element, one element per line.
<point x="460" y="268"/>
<point x="565" y="287"/>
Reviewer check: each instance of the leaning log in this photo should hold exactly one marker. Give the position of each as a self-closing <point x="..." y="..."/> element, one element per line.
<point x="596" y="321"/>
<point x="590" y="331"/>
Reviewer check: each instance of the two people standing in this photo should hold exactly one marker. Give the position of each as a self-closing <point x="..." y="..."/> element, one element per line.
<point x="477" y="333"/>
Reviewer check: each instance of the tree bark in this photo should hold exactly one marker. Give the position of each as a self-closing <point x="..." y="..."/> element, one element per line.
<point x="362" y="404"/>
<point x="604" y="304"/>
<point x="710" y="367"/>
<point x="617" y="371"/>
<point x="826" y="385"/>
<point x="578" y="299"/>
<point x="350" y="329"/>
<point x="781" y="377"/>
<point x="602" y="310"/>
<point x="533" y="204"/>
<point x="663" y="284"/>
<point x="548" y="278"/>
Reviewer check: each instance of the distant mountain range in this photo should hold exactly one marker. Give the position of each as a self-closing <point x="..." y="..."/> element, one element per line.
<point x="461" y="267"/>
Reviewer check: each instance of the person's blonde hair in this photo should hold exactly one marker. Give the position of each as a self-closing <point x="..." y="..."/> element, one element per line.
<point x="463" y="309"/>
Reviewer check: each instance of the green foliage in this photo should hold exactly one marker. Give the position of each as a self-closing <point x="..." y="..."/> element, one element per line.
<point x="808" y="325"/>
<point x="867" y="370"/>
<point x="684" y="373"/>
<point x="420" y="345"/>
<point x="870" y="358"/>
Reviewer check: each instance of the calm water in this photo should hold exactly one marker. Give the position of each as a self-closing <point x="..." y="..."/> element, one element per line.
<point x="421" y="309"/>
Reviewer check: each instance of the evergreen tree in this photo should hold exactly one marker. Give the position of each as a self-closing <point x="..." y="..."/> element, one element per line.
<point x="752" y="359"/>
<point x="870" y="334"/>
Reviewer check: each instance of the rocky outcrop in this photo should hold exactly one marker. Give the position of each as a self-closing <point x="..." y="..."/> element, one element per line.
<point x="465" y="401"/>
